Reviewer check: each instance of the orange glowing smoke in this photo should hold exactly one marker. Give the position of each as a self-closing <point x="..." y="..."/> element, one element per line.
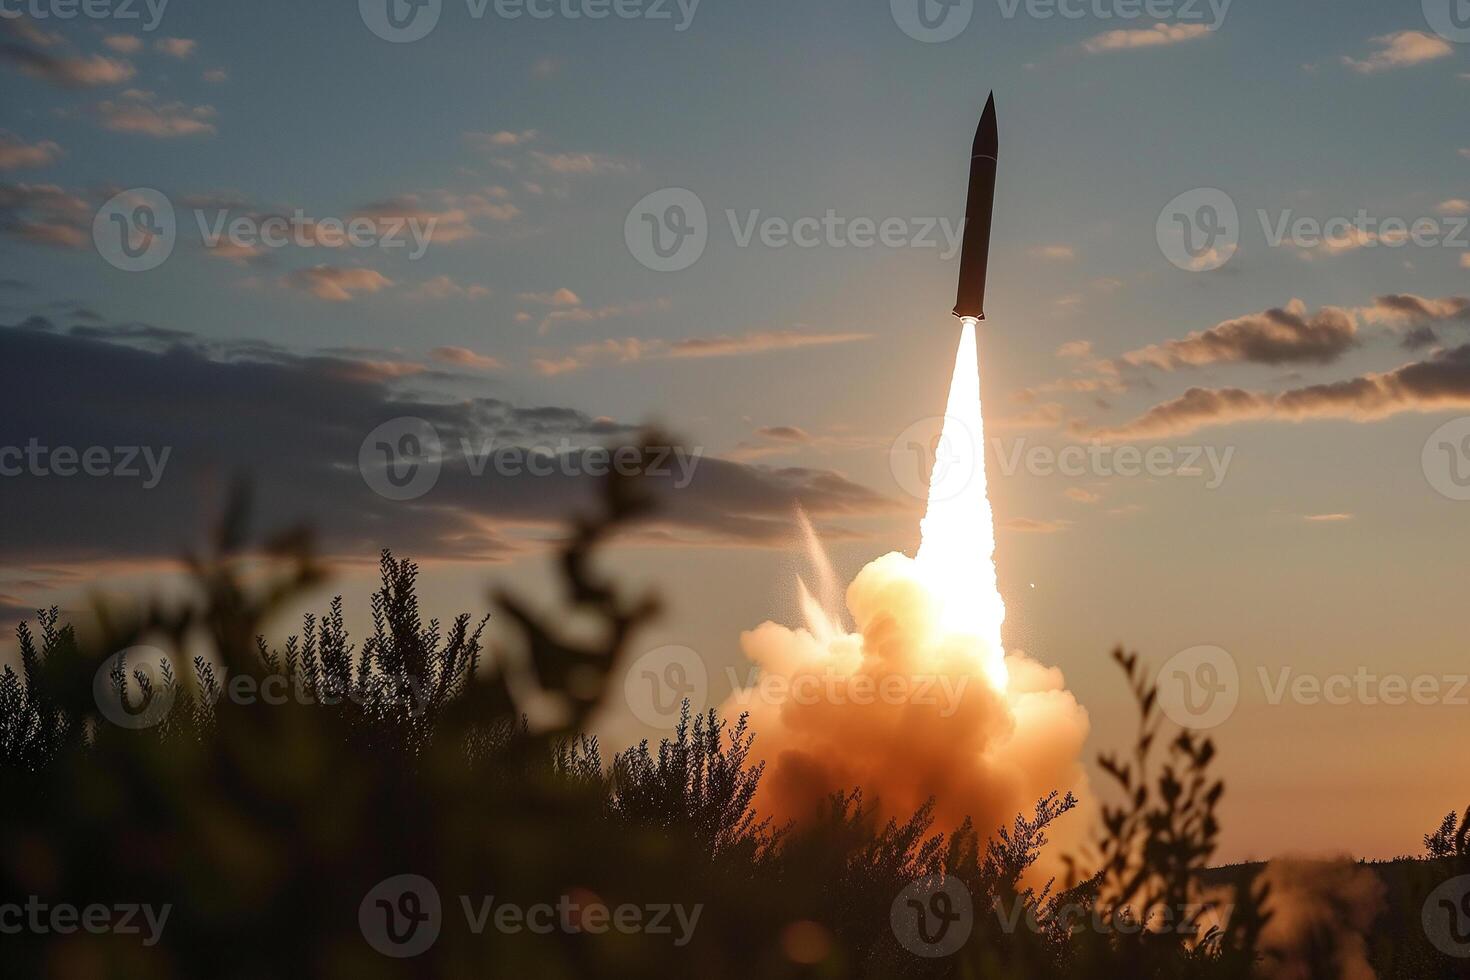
<point x="921" y="700"/>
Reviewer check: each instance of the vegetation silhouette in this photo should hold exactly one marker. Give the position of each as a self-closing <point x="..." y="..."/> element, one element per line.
<point x="265" y="823"/>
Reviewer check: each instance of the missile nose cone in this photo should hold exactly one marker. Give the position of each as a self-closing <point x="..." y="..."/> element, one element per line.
<point x="987" y="143"/>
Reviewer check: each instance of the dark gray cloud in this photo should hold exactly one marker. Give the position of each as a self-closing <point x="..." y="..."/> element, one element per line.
<point x="294" y="424"/>
<point x="1419" y="337"/>
<point x="1285" y="335"/>
<point x="1437" y="383"/>
<point x="1418" y="309"/>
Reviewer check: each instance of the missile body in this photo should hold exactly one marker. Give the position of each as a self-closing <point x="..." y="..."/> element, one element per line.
<point x="975" y="245"/>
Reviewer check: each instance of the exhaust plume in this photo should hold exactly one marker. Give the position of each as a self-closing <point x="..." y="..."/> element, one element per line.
<point x="920" y="700"/>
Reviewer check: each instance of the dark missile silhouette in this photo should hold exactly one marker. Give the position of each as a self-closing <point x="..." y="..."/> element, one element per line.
<point x="975" y="245"/>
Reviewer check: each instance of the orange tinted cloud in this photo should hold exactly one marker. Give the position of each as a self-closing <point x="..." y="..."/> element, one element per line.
<point x="1286" y="335"/>
<point x="337" y="284"/>
<point x="1438" y="383"/>
<point x="140" y="112"/>
<point x="465" y="357"/>
<point x="1144" y="37"/>
<point x="1400" y="50"/>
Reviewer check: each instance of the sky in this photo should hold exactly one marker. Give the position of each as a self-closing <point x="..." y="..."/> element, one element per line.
<point x="1305" y="509"/>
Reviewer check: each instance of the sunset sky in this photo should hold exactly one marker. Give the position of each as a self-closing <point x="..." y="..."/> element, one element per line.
<point x="1312" y="373"/>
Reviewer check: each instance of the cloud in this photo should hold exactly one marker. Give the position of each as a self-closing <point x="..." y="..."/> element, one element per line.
<point x="176" y="47"/>
<point x="1285" y="335"/>
<point x="1399" y="310"/>
<point x="68" y="72"/>
<point x="1319" y="917"/>
<point x="578" y="163"/>
<point x="1051" y="252"/>
<point x="136" y="111"/>
<point x="629" y="349"/>
<point x="17" y="154"/>
<point x="443" y="287"/>
<point x="464" y="357"/>
<point x="759" y="343"/>
<point x="124" y="43"/>
<point x="591" y="314"/>
<point x="1455" y="205"/>
<point x="1438" y="383"/>
<point x="239" y="252"/>
<point x="215" y="75"/>
<point x="453" y="214"/>
<point x="336" y="283"/>
<point x="1032" y="526"/>
<point x="784" y="433"/>
<point x="1326" y="518"/>
<point x="295" y="425"/>
<point x="1082" y="495"/>
<point x="559" y="297"/>
<point x="1144" y="37"/>
<point x="1074" y="349"/>
<point x="499" y="140"/>
<point x="45" y="214"/>
<point x="1419" y="337"/>
<point x="1399" y="50"/>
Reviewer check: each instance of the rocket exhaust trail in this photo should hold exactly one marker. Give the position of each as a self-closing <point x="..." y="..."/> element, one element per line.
<point x="956" y="556"/>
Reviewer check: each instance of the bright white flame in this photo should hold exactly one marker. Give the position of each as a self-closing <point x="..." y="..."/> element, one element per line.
<point x="956" y="556"/>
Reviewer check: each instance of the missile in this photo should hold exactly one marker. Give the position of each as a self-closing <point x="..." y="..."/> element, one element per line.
<point x="975" y="245"/>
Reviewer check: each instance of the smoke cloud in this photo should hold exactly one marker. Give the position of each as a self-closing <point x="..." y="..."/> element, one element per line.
<point x="904" y="709"/>
<point x="1321" y="912"/>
